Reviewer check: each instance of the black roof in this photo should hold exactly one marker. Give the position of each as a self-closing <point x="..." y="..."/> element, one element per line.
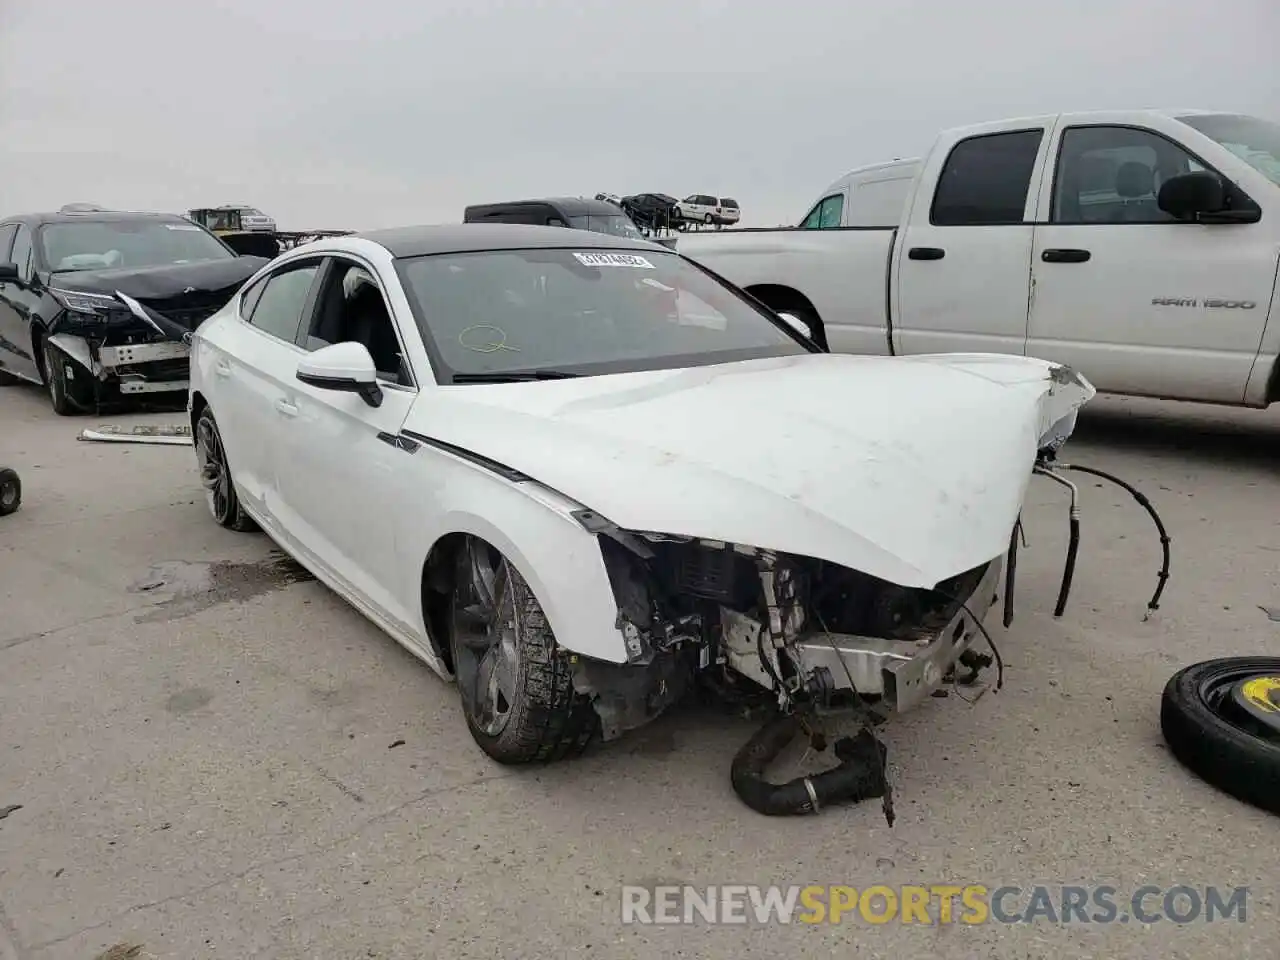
<point x="475" y="237"/>
<point x="90" y="216"/>
<point x="569" y="206"/>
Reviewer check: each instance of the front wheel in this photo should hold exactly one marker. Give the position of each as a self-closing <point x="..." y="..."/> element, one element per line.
<point x="61" y="382"/>
<point x="215" y="476"/>
<point x="515" y="684"/>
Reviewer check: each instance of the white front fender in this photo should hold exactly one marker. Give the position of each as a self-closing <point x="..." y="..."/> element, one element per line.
<point x="561" y="561"/>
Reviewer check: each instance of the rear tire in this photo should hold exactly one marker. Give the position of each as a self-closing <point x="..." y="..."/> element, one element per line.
<point x="810" y="320"/>
<point x="515" y="683"/>
<point x="10" y="491"/>
<point x="215" y="476"/>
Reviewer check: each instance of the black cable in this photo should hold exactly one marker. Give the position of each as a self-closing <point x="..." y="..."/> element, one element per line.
<point x="1069" y="569"/>
<point x="1011" y="567"/>
<point x="1163" y="576"/>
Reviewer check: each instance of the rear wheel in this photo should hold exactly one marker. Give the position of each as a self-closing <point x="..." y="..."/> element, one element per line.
<point x="1221" y="718"/>
<point x="215" y="476"/>
<point x="707" y="219"/>
<point x="515" y="684"/>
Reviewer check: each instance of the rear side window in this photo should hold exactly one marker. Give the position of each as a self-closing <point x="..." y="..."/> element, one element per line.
<point x="826" y="214"/>
<point x="986" y="179"/>
<point x="729" y="202"/>
<point x="277" y="310"/>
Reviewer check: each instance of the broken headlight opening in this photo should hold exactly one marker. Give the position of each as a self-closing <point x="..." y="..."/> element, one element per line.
<point x="85" y="308"/>
<point x="799" y="640"/>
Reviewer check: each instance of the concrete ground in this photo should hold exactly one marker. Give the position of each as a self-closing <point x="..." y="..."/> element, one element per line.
<point x="213" y="757"/>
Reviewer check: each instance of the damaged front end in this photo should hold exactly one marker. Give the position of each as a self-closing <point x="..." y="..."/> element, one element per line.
<point x="130" y="338"/>
<point x="803" y="631"/>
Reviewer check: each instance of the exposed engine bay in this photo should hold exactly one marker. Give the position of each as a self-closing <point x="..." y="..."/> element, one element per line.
<point x="801" y="639"/>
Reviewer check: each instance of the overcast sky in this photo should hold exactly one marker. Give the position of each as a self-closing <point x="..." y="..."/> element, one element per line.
<point x="367" y="113"/>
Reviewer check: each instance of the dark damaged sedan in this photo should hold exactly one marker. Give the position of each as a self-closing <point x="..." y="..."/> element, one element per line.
<point x="97" y="305"/>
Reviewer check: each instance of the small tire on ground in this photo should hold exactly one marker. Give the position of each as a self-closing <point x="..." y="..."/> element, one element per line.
<point x="228" y="513"/>
<point x="62" y="395"/>
<point x="549" y="720"/>
<point x="1233" y="759"/>
<point x="10" y="491"/>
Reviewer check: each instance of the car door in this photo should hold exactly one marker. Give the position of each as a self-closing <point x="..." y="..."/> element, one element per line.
<point x="963" y="261"/>
<point x="1141" y="302"/>
<point x="8" y="314"/>
<point x="342" y="471"/>
<point x="17" y="301"/>
<point x="253" y="371"/>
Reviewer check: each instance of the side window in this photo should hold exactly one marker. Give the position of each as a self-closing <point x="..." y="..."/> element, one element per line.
<point x="22" y="252"/>
<point x="825" y="214"/>
<point x="249" y="299"/>
<point x="1113" y="175"/>
<point x="986" y="179"/>
<point x="351" y="307"/>
<point x="278" y="308"/>
<point x="6" y="240"/>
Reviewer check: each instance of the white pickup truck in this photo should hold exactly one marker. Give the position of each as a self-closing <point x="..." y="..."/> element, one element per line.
<point x="1139" y="247"/>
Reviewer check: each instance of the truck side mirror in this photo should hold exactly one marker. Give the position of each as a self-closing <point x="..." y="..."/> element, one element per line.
<point x="1204" y="197"/>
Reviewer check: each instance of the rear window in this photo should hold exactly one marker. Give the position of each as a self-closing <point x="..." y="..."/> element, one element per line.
<point x="729" y="202"/>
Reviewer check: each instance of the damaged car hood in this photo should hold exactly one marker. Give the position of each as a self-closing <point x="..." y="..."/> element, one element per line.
<point x="163" y="282"/>
<point x="910" y="469"/>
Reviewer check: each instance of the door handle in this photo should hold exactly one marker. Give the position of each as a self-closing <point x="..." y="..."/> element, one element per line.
<point x="1065" y="256"/>
<point x="926" y="253"/>
<point x="286" y="408"/>
<point x="222" y="369"/>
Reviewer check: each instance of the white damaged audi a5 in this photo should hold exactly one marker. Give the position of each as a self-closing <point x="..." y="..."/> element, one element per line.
<point x="576" y="473"/>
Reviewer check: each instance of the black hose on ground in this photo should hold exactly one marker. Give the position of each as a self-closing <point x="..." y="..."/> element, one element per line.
<point x="1068" y="571"/>
<point x="860" y="775"/>
<point x="1011" y="571"/>
<point x="1163" y="577"/>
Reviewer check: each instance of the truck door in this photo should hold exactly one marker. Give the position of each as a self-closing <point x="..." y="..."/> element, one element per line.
<point x="1139" y="302"/>
<point x="963" y="261"/>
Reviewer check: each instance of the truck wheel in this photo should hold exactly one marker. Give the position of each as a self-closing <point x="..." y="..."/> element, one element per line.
<point x="1221" y="719"/>
<point x="515" y="685"/>
<point x="215" y="476"/>
<point x="10" y="491"/>
<point x="707" y="220"/>
<point x="64" y="397"/>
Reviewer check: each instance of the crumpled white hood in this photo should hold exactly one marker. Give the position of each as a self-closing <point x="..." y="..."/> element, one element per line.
<point x="910" y="469"/>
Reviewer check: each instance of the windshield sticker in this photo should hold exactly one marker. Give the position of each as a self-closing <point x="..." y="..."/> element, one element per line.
<point x="614" y="260"/>
<point x="182" y="226"/>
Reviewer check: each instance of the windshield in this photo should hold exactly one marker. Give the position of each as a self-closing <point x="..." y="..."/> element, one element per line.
<point x="615" y="224"/>
<point x="581" y="312"/>
<point x="102" y="245"/>
<point x="1256" y="142"/>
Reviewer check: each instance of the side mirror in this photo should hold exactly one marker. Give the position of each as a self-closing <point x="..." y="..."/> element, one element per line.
<point x="798" y="325"/>
<point x="1203" y="197"/>
<point x="8" y="272"/>
<point x="346" y="367"/>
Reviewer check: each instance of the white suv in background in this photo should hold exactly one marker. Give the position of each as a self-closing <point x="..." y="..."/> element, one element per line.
<point x="706" y="209"/>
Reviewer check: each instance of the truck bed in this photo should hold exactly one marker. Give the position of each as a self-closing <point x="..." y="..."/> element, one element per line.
<point x="829" y="272"/>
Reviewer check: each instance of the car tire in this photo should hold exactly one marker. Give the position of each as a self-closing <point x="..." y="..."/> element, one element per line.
<point x="215" y="476"/>
<point x="501" y="631"/>
<point x="707" y="219"/>
<point x="1219" y="740"/>
<point x="10" y="491"/>
<point x="62" y="395"/>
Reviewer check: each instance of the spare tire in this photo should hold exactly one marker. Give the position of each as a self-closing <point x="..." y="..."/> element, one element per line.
<point x="1221" y="719"/>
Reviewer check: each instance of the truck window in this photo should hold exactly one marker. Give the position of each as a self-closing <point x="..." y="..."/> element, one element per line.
<point x="986" y="179"/>
<point x="1113" y="174"/>
<point x="825" y="213"/>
